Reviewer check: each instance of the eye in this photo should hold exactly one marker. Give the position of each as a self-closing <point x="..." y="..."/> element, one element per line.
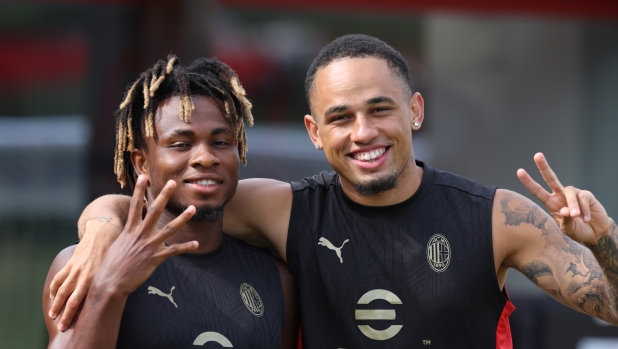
<point x="380" y="109"/>
<point x="339" y="118"/>
<point x="220" y="143"/>
<point x="180" y="146"/>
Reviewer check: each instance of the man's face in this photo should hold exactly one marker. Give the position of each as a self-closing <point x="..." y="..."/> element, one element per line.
<point x="362" y="116"/>
<point x="201" y="156"/>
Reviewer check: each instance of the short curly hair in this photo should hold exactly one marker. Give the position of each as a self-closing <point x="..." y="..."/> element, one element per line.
<point x="358" y="46"/>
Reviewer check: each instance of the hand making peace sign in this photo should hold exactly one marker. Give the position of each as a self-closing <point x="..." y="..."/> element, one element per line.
<point x="577" y="212"/>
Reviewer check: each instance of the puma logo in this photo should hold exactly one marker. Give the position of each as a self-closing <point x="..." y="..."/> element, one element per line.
<point x="324" y="242"/>
<point x="154" y="290"/>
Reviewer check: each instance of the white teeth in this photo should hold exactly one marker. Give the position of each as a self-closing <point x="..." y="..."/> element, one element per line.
<point x="206" y="182"/>
<point x="370" y="155"/>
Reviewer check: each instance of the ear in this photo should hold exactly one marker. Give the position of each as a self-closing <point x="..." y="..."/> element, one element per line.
<point x="417" y="110"/>
<point x="312" y="128"/>
<point x="140" y="163"/>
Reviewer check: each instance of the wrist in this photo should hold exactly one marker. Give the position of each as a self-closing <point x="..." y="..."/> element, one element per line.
<point x="106" y="288"/>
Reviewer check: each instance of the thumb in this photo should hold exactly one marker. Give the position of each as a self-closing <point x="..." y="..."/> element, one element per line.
<point x="568" y="225"/>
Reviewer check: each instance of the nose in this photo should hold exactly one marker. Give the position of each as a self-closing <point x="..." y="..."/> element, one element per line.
<point x="363" y="130"/>
<point x="203" y="155"/>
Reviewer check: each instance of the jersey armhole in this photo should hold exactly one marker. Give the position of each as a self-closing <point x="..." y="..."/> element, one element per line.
<point x="504" y="338"/>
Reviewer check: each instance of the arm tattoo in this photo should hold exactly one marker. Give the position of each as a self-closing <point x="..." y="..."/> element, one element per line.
<point x="518" y="211"/>
<point x="108" y="220"/>
<point x="536" y="269"/>
<point x="539" y="272"/>
<point x="589" y="280"/>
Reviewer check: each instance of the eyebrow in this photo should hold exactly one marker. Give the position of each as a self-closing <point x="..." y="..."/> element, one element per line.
<point x="182" y="132"/>
<point x="380" y="99"/>
<point x="220" y="130"/>
<point x="190" y="133"/>
<point x="371" y="101"/>
<point x="337" y="109"/>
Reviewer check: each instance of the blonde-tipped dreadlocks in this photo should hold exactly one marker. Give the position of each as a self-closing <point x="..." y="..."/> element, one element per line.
<point x="204" y="77"/>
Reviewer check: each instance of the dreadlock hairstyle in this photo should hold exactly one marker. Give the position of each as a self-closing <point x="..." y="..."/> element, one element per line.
<point x="358" y="46"/>
<point x="204" y="77"/>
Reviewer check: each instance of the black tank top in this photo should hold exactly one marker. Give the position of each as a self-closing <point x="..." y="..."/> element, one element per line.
<point x="229" y="297"/>
<point x="419" y="274"/>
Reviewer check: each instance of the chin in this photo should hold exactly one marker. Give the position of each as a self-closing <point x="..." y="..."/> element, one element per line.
<point x="202" y="213"/>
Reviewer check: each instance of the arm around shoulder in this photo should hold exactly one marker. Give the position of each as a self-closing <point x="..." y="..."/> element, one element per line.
<point x="108" y="209"/>
<point x="259" y="213"/>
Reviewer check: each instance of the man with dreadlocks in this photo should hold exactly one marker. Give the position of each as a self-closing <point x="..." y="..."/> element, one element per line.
<point x="180" y="138"/>
<point x="387" y="252"/>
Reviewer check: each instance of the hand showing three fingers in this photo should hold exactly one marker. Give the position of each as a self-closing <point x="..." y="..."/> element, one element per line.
<point x="140" y="248"/>
<point x="577" y="212"/>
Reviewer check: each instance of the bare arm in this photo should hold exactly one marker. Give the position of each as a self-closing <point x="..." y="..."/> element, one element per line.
<point x="57" y="339"/>
<point x="259" y="213"/>
<point x="104" y="219"/>
<point x="572" y="254"/>
<point x="106" y="312"/>
<point x="131" y="259"/>
<point x="109" y="210"/>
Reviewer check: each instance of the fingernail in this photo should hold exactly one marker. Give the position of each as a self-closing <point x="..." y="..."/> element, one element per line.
<point x="573" y="212"/>
<point x="586" y="218"/>
<point x="52" y="314"/>
<point x="62" y="327"/>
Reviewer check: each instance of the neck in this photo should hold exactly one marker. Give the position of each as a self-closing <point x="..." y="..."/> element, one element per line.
<point x="207" y="234"/>
<point x="408" y="182"/>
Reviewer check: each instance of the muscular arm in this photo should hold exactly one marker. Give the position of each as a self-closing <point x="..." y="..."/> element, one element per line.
<point x="108" y="210"/>
<point x="105" y="312"/>
<point x="584" y="278"/>
<point x="57" y="339"/>
<point x="259" y="213"/>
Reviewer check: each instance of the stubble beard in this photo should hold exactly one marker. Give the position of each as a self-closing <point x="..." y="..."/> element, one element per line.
<point x="201" y="213"/>
<point x="381" y="184"/>
<point x="376" y="186"/>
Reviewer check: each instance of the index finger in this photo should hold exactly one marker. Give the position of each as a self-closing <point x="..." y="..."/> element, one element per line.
<point x="533" y="187"/>
<point x="548" y="175"/>
<point x="157" y="207"/>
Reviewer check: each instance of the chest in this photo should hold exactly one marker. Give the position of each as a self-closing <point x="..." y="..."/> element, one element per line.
<point x="186" y="307"/>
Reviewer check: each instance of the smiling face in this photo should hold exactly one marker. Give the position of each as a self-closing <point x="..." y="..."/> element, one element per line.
<point x="201" y="156"/>
<point x="363" y="117"/>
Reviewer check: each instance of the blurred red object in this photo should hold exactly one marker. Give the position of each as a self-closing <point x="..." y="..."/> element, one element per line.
<point x="571" y="8"/>
<point x="25" y="61"/>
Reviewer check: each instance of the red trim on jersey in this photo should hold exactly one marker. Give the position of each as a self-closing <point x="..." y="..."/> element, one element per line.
<point x="503" y="330"/>
<point x="300" y="339"/>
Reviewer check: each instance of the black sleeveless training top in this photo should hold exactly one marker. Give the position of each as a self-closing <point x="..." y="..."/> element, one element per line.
<point x="230" y="297"/>
<point x="418" y="274"/>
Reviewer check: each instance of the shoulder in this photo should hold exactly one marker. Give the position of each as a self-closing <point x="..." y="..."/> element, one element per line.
<point x="324" y="180"/>
<point x="518" y="224"/>
<point x="56" y="338"/>
<point x="62" y="258"/>
<point x="462" y="184"/>
<point x="247" y="248"/>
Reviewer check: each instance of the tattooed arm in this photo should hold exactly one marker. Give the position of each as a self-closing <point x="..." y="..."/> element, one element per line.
<point x="572" y="256"/>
